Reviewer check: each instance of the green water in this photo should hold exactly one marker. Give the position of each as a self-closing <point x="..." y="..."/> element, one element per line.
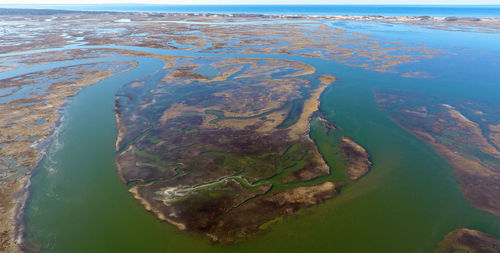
<point x="407" y="203"/>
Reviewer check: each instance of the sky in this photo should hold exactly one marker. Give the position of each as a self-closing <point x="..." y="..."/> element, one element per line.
<point x="411" y="2"/>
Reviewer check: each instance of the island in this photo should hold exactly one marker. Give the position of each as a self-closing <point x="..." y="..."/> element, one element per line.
<point x="468" y="240"/>
<point x="218" y="142"/>
<point x="205" y="152"/>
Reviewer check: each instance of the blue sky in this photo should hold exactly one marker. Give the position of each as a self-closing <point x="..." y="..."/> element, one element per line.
<point x="412" y="2"/>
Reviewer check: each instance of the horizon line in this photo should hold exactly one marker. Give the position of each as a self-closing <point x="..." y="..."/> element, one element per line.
<point x="233" y="4"/>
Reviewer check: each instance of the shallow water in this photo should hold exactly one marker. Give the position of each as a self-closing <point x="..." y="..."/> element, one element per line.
<point x="407" y="203"/>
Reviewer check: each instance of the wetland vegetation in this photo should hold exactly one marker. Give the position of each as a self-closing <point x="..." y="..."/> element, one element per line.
<point x="205" y="153"/>
<point x="244" y="130"/>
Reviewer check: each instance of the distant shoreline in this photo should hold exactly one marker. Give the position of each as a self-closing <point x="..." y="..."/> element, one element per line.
<point x="464" y="24"/>
<point x="351" y="10"/>
<point x="41" y="12"/>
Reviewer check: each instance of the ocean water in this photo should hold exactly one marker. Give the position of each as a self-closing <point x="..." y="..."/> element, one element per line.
<point x="384" y="10"/>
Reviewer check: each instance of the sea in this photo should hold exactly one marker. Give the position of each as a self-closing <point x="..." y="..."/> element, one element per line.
<point x="357" y="10"/>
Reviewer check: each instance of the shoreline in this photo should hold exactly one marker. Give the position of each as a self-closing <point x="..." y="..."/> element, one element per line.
<point x="20" y="185"/>
<point x="51" y="11"/>
<point x="26" y="189"/>
<point x="262" y="9"/>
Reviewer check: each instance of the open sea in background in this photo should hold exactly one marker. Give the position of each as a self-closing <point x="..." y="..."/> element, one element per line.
<point x="356" y="10"/>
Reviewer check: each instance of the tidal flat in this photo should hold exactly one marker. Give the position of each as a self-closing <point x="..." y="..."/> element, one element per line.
<point x="215" y="133"/>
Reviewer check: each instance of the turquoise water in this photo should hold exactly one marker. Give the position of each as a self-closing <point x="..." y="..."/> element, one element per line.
<point x="384" y="10"/>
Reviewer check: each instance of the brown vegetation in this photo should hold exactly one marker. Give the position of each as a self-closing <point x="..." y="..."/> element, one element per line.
<point x="453" y="136"/>
<point x="468" y="240"/>
<point x="208" y="159"/>
<point x="358" y="160"/>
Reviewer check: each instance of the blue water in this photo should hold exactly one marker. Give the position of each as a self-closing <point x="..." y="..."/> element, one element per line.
<point x="384" y="10"/>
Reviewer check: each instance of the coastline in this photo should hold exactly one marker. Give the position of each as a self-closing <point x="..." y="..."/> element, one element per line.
<point x="25" y="191"/>
<point x="303" y="9"/>
<point x="426" y="20"/>
<point x="20" y="185"/>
